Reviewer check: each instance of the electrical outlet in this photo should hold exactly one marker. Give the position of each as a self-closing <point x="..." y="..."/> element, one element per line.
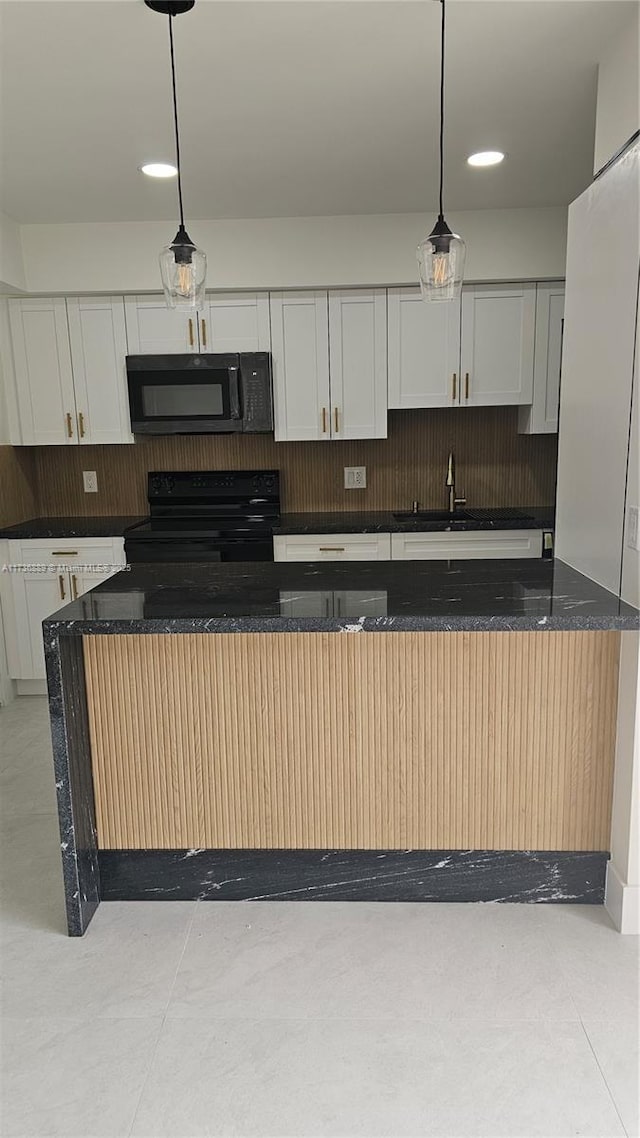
<point x="90" y="481"/>
<point x="355" y="477"/>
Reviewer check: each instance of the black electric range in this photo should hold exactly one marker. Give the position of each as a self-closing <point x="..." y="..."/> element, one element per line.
<point x="208" y="515"/>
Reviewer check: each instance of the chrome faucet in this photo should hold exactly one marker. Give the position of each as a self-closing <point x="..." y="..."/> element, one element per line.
<point x="451" y="485"/>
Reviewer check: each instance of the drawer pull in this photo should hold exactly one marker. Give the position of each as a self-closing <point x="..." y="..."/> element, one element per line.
<point x="336" y="420"/>
<point x="81" y="424"/>
<point x="64" y="552"/>
<point x="324" y="420"/>
<point x="69" y="425"/>
<point x="466" y="385"/>
<point x="331" y="548"/>
<point x="61" y="584"/>
<point x="455" y="387"/>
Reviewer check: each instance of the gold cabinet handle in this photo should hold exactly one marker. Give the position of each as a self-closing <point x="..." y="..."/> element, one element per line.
<point x="466" y="385"/>
<point x="190" y="332"/>
<point x="336" y="420"/>
<point x="61" y="584"/>
<point x="204" y="333"/>
<point x="331" y="548"/>
<point x="64" y="552"/>
<point x="74" y="586"/>
<point x="324" y="420"/>
<point x="81" y="424"/>
<point x="69" y="425"/>
<point x="454" y="386"/>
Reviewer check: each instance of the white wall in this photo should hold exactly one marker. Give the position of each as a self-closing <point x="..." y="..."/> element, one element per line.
<point x="618" y="105"/>
<point x="516" y="244"/>
<point x="603" y="259"/>
<point x="12" y="278"/>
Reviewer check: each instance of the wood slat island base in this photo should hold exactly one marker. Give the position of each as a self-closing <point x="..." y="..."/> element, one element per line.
<point x="327" y="741"/>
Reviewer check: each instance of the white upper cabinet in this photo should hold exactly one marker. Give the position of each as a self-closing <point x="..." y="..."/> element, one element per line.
<point x="424" y="350"/>
<point x="329" y="364"/>
<point x="231" y="322"/>
<point x="98" y="348"/>
<point x="358" y="364"/>
<point x="542" y="416"/>
<point x="498" y="331"/>
<point x="236" y="322"/>
<point x="43" y="374"/>
<point x="154" y="329"/>
<point x="300" y="347"/>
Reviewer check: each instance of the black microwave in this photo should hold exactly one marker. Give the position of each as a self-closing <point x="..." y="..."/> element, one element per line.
<point x="200" y="394"/>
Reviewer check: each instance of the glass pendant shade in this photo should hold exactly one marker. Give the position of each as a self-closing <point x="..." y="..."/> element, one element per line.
<point x="183" y="268"/>
<point x="441" y="263"/>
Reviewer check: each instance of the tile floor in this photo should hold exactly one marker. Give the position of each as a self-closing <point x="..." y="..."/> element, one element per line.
<point x="179" y="1020"/>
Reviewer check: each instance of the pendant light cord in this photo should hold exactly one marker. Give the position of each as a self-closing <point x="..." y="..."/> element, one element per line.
<point x="441" y="108"/>
<point x="175" y="119"/>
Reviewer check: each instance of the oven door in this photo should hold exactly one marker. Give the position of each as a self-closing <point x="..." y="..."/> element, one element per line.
<point x="184" y="394"/>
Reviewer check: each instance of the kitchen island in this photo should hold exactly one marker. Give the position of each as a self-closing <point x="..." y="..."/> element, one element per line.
<point x="389" y="730"/>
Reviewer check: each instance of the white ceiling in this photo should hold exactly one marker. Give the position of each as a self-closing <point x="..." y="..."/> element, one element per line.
<point x="296" y="108"/>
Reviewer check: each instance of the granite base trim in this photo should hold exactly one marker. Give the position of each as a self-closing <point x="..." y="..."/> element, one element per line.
<point x="524" y="876"/>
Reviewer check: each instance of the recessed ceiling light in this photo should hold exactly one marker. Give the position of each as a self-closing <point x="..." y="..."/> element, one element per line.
<point x="159" y="170"/>
<point x="485" y="158"/>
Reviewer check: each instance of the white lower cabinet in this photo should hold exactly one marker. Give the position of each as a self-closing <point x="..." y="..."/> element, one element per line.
<point x="466" y="545"/>
<point x="45" y="576"/>
<point x="332" y="547"/>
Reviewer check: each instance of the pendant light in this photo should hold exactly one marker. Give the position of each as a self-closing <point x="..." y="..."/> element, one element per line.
<point x="441" y="254"/>
<point x="183" y="266"/>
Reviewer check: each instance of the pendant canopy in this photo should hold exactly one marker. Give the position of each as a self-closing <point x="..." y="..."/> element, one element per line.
<point x="183" y="266"/>
<point x="441" y="255"/>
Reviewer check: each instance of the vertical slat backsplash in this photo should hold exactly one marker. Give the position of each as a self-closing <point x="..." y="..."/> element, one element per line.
<point x="17" y="485"/>
<point x="495" y="465"/>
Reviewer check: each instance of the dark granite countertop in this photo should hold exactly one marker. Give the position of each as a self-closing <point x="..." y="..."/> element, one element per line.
<point x="71" y="527"/>
<point x="370" y="521"/>
<point x="380" y="596"/>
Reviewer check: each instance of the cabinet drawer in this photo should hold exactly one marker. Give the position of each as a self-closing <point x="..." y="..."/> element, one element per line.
<point x="332" y="547"/>
<point x="469" y="544"/>
<point x="68" y="551"/>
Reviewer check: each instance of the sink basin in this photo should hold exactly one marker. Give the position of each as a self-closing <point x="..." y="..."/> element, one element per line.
<point x="432" y="516"/>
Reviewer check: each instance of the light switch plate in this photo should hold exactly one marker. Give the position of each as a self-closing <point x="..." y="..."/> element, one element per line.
<point x="355" y="477"/>
<point x="90" y="481"/>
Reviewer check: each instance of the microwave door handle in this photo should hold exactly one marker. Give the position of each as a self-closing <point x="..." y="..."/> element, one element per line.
<point x="234" y="394"/>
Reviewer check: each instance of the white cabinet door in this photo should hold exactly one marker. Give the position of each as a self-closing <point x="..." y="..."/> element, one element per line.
<point x="468" y="545"/>
<point x="332" y="547"/>
<point x="542" y="416"/>
<point x="498" y="331"/>
<point x="300" y="347"/>
<point x="98" y="348"/>
<point x="44" y="379"/>
<point x="424" y="350"/>
<point x="35" y="596"/>
<point x="154" y="329"/>
<point x="358" y="363"/>
<point x="235" y="322"/>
